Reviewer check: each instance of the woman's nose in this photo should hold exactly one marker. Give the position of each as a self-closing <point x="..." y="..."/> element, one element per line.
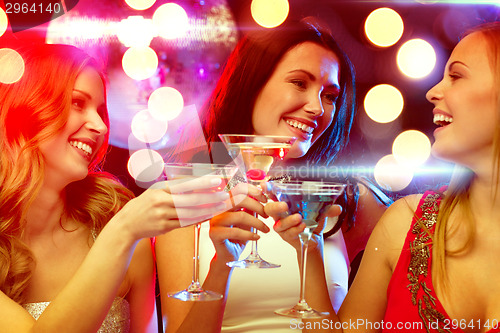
<point x="435" y="93"/>
<point x="96" y="124"/>
<point x="314" y="105"/>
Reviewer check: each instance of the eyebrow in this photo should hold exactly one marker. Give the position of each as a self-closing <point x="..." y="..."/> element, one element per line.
<point x="87" y="95"/>
<point x="456" y="62"/>
<point x="312" y="77"/>
<point x="83" y="93"/>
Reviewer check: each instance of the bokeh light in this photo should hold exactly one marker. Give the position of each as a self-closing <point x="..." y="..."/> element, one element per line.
<point x="384" y="27"/>
<point x="140" y="4"/>
<point x="416" y="58"/>
<point x="145" y="165"/>
<point x="135" y="31"/>
<point x="165" y="103"/>
<point x="4" y="22"/>
<point x="383" y="103"/>
<point x="171" y="21"/>
<point x="391" y="175"/>
<point x="140" y="63"/>
<point x="147" y="128"/>
<point x="11" y="66"/>
<point x="269" y="13"/>
<point x="411" y="148"/>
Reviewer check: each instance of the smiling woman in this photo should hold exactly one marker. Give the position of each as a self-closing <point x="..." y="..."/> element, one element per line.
<point x="71" y="236"/>
<point x="299" y="98"/>
<point x="87" y="107"/>
<point x="292" y="80"/>
<point x="428" y="264"/>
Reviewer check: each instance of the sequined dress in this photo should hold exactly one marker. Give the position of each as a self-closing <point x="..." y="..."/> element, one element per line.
<point x="117" y="320"/>
<point x="412" y="303"/>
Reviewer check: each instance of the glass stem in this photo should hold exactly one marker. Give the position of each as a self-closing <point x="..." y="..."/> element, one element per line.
<point x="304" y="242"/>
<point x="253" y="250"/>
<point x="196" y="257"/>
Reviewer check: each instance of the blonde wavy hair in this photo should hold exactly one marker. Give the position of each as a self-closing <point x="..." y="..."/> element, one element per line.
<point x="33" y="110"/>
<point x="457" y="195"/>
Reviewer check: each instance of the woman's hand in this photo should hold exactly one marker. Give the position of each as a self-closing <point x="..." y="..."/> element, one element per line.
<point x="290" y="226"/>
<point x="231" y="230"/>
<point x="168" y="205"/>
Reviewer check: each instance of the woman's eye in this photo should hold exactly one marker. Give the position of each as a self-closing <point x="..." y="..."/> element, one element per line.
<point x="299" y="83"/>
<point x="78" y="103"/>
<point x="331" y="97"/>
<point x="454" y="76"/>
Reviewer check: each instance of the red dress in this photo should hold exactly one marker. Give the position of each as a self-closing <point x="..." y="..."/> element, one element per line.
<point x="412" y="304"/>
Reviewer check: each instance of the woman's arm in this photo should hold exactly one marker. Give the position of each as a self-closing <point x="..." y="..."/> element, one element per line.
<point x="174" y="257"/>
<point x="367" y="297"/>
<point x="84" y="302"/>
<point x="141" y="296"/>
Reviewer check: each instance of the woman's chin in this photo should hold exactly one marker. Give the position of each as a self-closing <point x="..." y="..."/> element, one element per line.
<point x="296" y="152"/>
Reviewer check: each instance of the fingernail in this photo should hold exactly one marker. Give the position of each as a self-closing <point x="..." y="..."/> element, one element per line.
<point x="215" y="181"/>
<point x="255" y="236"/>
<point x="223" y="195"/>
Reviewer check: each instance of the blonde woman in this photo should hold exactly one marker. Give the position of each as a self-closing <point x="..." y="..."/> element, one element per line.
<point x="431" y="263"/>
<point x="75" y="252"/>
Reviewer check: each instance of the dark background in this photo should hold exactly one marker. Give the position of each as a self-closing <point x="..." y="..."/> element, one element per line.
<point x="438" y="22"/>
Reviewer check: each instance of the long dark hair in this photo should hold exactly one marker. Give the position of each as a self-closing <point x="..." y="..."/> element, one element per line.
<point x="249" y="67"/>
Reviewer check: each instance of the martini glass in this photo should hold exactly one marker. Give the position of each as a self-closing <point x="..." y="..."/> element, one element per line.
<point x="310" y="199"/>
<point x="256" y="154"/>
<point x="177" y="172"/>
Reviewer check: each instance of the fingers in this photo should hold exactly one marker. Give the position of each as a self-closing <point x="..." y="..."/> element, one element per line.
<point x="249" y="205"/>
<point x="334" y="210"/>
<point x="244" y="189"/>
<point x="198" y="199"/>
<point x="207" y="182"/>
<point x="219" y="232"/>
<point x="276" y="210"/>
<point x="290" y="223"/>
<point x="239" y="219"/>
<point x="188" y="216"/>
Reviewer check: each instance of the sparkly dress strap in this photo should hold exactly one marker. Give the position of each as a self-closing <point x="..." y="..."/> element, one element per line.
<point x="410" y="295"/>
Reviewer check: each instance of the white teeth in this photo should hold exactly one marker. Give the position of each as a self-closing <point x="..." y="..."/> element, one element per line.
<point x="301" y="126"/>
<point x="441" y="119"/>
<point x="83" y="146"/>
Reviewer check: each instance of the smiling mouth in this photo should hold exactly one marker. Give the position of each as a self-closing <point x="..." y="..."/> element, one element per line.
<point x="300" y="126"/>
<point x="441" y="120"/>
<point x="85" y="148"/>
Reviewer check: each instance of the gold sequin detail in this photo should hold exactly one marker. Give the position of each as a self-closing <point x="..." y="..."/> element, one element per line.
<point x="419" y="264"/>
<point x="117" y="320"/>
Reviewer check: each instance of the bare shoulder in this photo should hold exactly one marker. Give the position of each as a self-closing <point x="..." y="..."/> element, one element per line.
<point x="392" y="228"/>
<point x="399" y="215"/>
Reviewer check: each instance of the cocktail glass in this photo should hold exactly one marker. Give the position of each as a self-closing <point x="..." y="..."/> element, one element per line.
<point x="310" y="199"/>
<point x="186" y="172"/>
<point x="255" y="155"/>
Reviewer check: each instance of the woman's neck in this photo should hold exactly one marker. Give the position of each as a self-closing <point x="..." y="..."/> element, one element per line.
<point x="485" y="196"/>
<point x="44" y="214"/>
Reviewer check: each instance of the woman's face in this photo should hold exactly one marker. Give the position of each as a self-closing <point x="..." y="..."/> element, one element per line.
<point x="465" y="106"/>
<point x="299" y="98"/>
<point x="68" y="154"/>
